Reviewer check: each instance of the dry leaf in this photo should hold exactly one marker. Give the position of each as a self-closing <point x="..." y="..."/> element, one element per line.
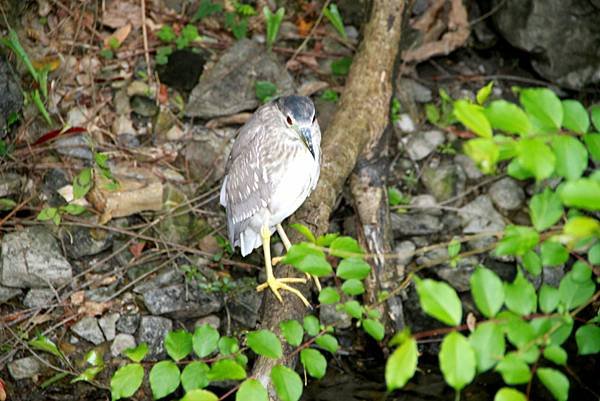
<point x="304" y="27"/>
<point x="78" y="297"/>
<point x="91" y="308"/>
<point x="119" y="36"/>
<point x="471" y="321"/>
<point x="50" y="62"/>
<point x="119" y="13"/>
<point x="137" y="248"/>
<point x="311" y="87"/>
<point x="2" y="391"/>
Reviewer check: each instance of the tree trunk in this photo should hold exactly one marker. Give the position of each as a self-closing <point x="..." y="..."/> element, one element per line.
<point x="361" y="115"/>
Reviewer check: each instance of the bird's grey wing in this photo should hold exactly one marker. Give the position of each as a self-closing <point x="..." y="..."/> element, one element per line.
<point x="247" y="133"/>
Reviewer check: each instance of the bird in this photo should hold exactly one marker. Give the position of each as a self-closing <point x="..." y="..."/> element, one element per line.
<point x="273" y="167"/>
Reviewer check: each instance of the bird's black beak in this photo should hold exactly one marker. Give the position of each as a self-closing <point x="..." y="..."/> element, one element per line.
<point x="306" y="136"/>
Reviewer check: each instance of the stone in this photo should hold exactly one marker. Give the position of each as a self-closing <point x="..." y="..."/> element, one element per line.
<point x="479" y="215"/>
<point x="11" y="100"/>
<point x="421" y="144"/>
<point x="25" y="368"/>
<point x="128" y="323"/>
<point x="108" y="325"/>
<point x="507" y="194"/>
<point x="180" y="302"/>
<point x="32" y="258"/>
<point x="468" y="166"/>
<point x="207" y="152"/>
<point x="419" y="92"/>
<point x="81" y="241"/>
<point x="39" y="297"/>
<point x="405" y="123"/>
<point x="427" y="204"/>
<point x="443" y="181"/>
<point x="153" y="330"/>
<point x="229" y="86"/>
<point x="415" y="224"/>
<point x="143" y="106"/>
<point x="11" y="184"/>
<point x="7" y="293"/>
<point x="88" y="329"/>
<point x="74" y="146"/>
<point x="329" y="315"/>
<point x="458" y="277"/>
<point x="404" y="251"/>
<point x="121" y="343"/>
<point x="164" y="278"/>
<point x="244" y="308"/>
<point x="212" y="320"/>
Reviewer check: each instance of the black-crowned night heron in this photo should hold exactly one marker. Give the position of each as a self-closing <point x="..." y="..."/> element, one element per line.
<point x="273" y="166"/>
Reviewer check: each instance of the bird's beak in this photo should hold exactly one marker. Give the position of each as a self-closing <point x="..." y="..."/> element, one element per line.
<point x="306" y="136"/>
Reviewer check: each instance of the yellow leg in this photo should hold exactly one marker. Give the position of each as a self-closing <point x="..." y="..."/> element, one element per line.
<point x="275" y="284"/>
<point x="287" y="244"/>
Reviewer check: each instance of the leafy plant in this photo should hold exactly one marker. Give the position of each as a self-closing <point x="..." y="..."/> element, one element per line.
<point x="341" y="66"/>
<point x="167" y="35"/>
<point x="333" y="15"/>
<point x="265" y="91"/>
<point x="273" y="21"/>
<point x="329" y="95"/>
<point x="206" y="9"/>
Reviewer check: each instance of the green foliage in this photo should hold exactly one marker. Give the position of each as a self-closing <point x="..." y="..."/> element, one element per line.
<point x="487" y="290"/>
<point x="43" y="343"/>
<point x="265" y="91"/>
<point x="341" y="66"/>
<point x="329" y="95"/>
<point x="440" y="301"/>
<point x="126" y="381"/>
<point x="457" y="360"/>
<point x="178" y="344"/>
<point x="489" y="345"/>
<point x="206" y="9"/>
<point x="314" y="362"/>
<point x="292" y="332"/>
<point x="251" y="390"/>
<point x="164" y="379"/>
<point x="138" y="353"/>
<point x="273" y="21"/>
<point x="205" y="340"/>
<point x="333" y="15"/>
<point x="556" y="382"/>
<point x="287" y="383"/>
<point x="265" y="343"/>
<point x="401" y="365"/>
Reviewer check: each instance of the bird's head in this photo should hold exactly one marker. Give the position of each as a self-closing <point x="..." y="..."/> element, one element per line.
<point x="298" y="113"/>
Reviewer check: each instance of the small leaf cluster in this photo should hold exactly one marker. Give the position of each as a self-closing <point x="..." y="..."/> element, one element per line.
<point x="167" y="35"/>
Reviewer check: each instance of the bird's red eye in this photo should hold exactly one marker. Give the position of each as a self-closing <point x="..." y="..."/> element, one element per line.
<point x="289" y="120"/>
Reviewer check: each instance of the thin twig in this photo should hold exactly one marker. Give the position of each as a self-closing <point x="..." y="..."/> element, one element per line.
<point x="145" y="38"/>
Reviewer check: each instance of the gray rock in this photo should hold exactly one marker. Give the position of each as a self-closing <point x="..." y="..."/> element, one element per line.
<point x="422" y="144"/>
<point x="39" y="297"/>
<point x="420" y="93"/>
<point x="164" y="278"/>
<point x="444" y="180"/>
<point x="228" y="87"/>
<point x="81" y="241"/>
<point x="129" y="323"/>
<point x="328" y="314"/>
<point x="181" y="303"/>
<point x="74" y="146"/>
<point x="507" y="194"/>
<point x="11" y="184"/>
<point x="152" y="331"/>
<point x="207" y="152"/>
<point x="415" y="224"/>
<point x="451" y="221"/>
<point x="480" y="215"/>
<point x="25" y="368"/>
<point x="144" y="106"/>
<point x="469" y="167"/>
<point x="11" y="100"/>
<point x="121" y="343"/>
<point x="538" y="25"/>
<point x="244" y="308"/>
<point x="108" y="325"/>
<point x="88" y="329"/>
<point x="7" y="293"/>
<point x="458" y="277"/>
<point x="32" y="258"/>
<point x="405" y="251"/>
<point x="212" y="320"/>
<point x="426" y="204"/>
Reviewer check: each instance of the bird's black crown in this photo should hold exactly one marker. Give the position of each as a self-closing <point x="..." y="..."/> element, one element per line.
<point x="300" y="107"/>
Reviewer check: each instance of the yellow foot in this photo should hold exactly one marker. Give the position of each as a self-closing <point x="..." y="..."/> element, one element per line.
<point x="277" y="284"/>
<point x="278" y="259"/>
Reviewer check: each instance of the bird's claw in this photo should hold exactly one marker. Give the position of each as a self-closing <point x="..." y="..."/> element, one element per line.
<point x="275" y="284"/>
<point x="309" y="277"/>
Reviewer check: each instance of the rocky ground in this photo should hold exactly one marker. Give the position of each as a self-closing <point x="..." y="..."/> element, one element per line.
<point x="152" y="257"/>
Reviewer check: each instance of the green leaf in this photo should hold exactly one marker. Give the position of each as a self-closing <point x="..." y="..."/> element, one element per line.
<point x="273" y="23"/>
<point x="88" y="375"/>
<point x="556" y="354"/>
<point x="536" y="157"/>
<point x="595" y="112"/>
<point x="199" y="395"/>
<point x="518" y="331"/>
<point x="251" y="390"/>
<point x="588" y="339"/>
<point x="341" y="66"/>
<point x="581" y="272"/>
<point x="166" y="34"/>
<point x="484" y="93"/>
<point x="453" y="248"/>
<point x="472" y="117"/>
<point x="558" y="328"/>
<point x="329" y="95"/>
<point x="594" y="254"/>
<point x="556" y="382"/>
<point x="73" y="209"/>
<point x="345" y="247"/>
<point x="487" y="290"/>
<point x="354" y="309"/>
<point x="205" y="340"/>
<point x="583" y="193"/>
<point x="457" y="360"/>
<point x="298" y="252"/>
<point x="515" y="170"/>
<point x="571" y="156"/>
<point x="548" y="298"/>
<point x="328" y="342"/>
<point x="575" y="293"/>
<point x="520" y="296"/>
<point x="43" y="343"/>
<point x="228" y="345"/>
<point x="126" y="381"/>
<point x="327" y="239"/>
<point x="226" y="369"/>
<point x="488" y="342"/>
<point x="333" y="15"/>
<point x="484" y="152"/>
<point x="287" y="383"/>
<point x="164" y="379"/>
<point x="532" y="263"/>
<point x="374" y="328"/>
<point x="592" y="141"/>
<point x="544" y="106"/>
<point x="328" y="296"/>
<point x="138" y="353"/>
<point x="353" y="268"/>
<point x="575" y="116"/>
<point x="312" y="325"/>
<point x="292" y="332"/>
<point x="47" y="213"/>
<point x="315" y="265"/>
<point x="82" y="183"/>
<point x="353" y="287"/>
<point x="580" y="227"/>
<point x="314" y="362"/>
<point x="553" y="253"/>
<point x="7" y="204"/>
<point x="509" y="394"/>
<point x="178" y="344"/>
<point x="265" y="343"/>
<point x="401" y="365"/>
<point x="265" y="90"/>
<point x="507" y="117"/>
<point x="517" y="240"/>
<point x="395" y="197"/>
<point x="513" y="370"/>
<point x="440" y="301"/>
<point x="545" y="209"/>
<point x="195" y="376"/>
<point x="305" y="231"/>
<point x="206" y="9"/>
